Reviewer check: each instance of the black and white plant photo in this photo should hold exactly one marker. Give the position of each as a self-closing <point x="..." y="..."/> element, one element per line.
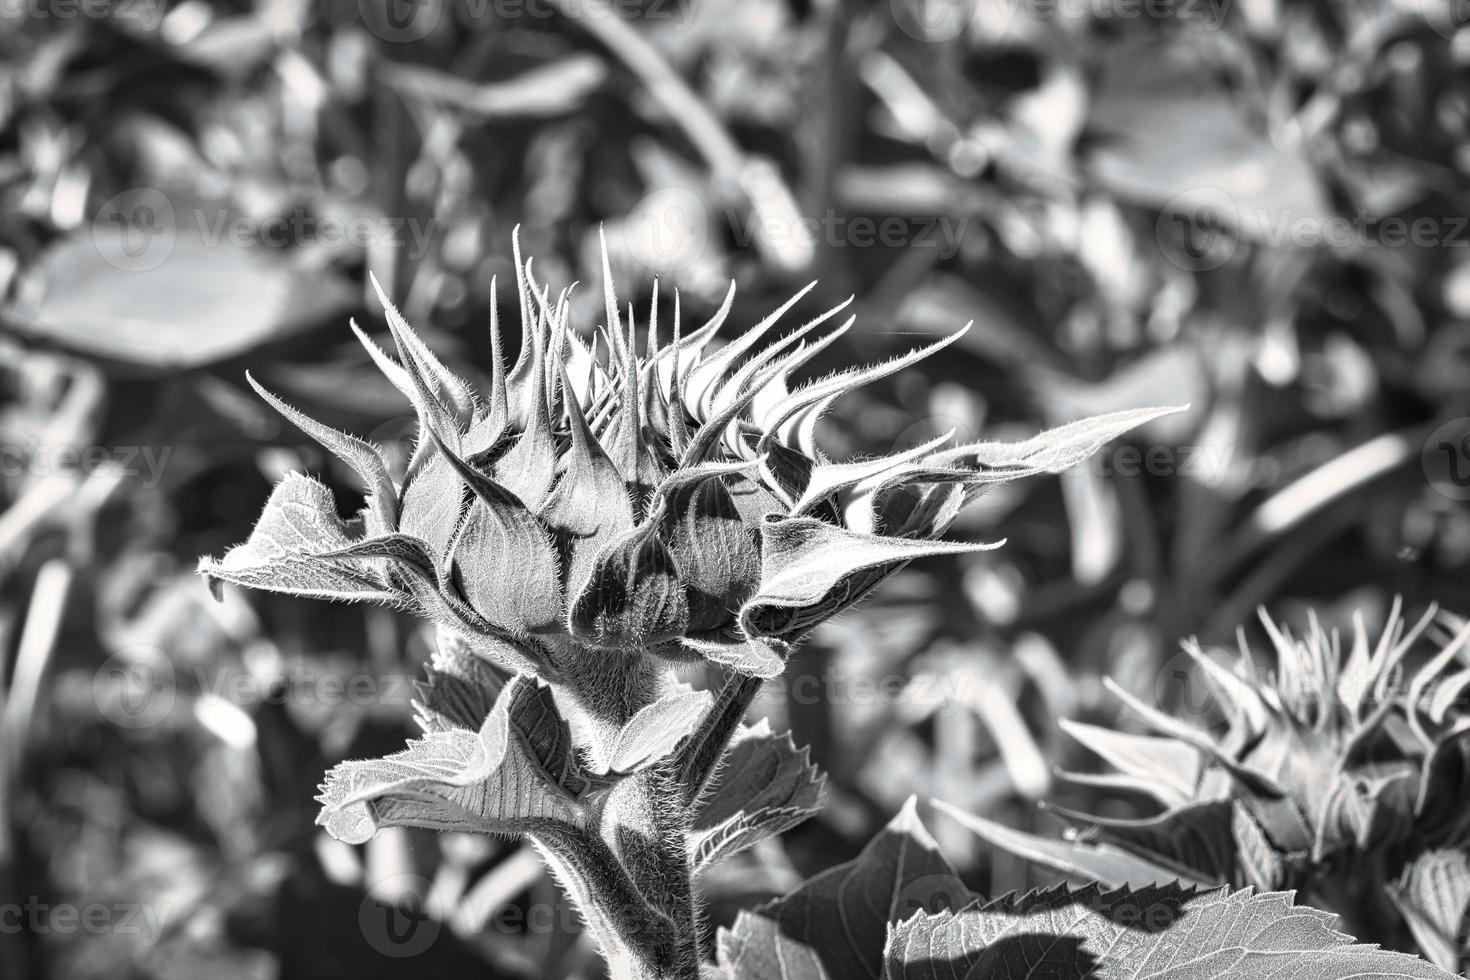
<point x="698" y="490"/>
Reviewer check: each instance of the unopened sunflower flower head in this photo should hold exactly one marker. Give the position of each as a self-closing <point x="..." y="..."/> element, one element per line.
<point x="605" y="505"/>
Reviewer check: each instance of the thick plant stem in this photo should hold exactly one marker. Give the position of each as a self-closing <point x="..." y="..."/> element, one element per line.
<point x="633" y="879"/>
<point x="603" y="694"/>
<point x="630" y="875"/>
<point x="647" y="825"/>
<point x="636" y="941"/>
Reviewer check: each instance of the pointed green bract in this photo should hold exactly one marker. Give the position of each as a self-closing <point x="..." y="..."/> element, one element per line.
<point x="459" y="688"/>
<point x="1433" y="895"/>
<point x="634" y="596"/>
<point x="285" y="551"/>
<point x="812" y="570"/>
<point x="717" y="555"/>
<point x="656" y="729"/>
<point x="751" y="656"/>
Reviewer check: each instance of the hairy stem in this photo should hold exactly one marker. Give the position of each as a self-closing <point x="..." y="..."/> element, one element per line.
<point x="638" y="942"/>
<point x="632" y="878"/>
<point x="647" y="824"/>
<point x="603" y="692"/>
<point x="697" y="759"/>
<point x="630" y="874"/>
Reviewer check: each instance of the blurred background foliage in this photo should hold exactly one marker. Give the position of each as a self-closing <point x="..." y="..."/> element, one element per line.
<point x="1256" y="207"/>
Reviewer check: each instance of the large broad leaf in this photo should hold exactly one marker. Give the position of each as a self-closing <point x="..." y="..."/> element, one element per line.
<point x="1161" y="933"/>
<point x="159" y="298"/>
<point x="517" y="774"/>
<point x="765" y="787"/>
<point x="1247" y="183"/>
<point x="833" y="927"/>
<point x="1112" y="865"/>
<point x="1155" y="99"/>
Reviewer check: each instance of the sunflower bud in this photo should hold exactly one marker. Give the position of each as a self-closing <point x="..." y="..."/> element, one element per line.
<point x="593" y="499"/>
<point x="1334" y="758"/>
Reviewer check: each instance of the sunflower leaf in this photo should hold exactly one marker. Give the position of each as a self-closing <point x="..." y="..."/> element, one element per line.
<point x="515" y="774"/>
<point x="834" y="924"/>
<point x="1160" y="932"/>
<point x="765" y="787"/>
<point x="1102" y="862"/>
